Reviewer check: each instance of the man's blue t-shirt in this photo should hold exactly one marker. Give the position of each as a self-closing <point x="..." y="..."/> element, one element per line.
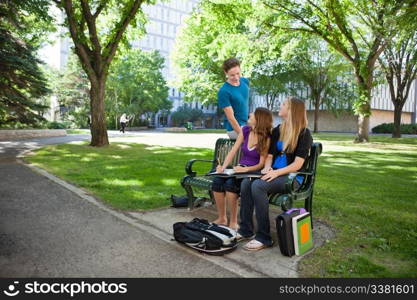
<point x="238" y="98"/>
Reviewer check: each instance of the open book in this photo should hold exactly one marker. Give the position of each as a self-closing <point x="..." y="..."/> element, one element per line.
<point x="233" y="173"/>
<point x="225" y="173"/>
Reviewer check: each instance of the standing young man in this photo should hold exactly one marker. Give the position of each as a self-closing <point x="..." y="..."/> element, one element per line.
<point x="233" y="98"/>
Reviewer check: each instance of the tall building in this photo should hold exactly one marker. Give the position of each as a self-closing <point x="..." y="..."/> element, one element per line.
<point x="382" y="110"/>
<point x="165" y="19"/>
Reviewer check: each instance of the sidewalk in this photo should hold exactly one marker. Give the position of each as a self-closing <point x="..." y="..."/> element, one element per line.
<point x="269" y="262"/>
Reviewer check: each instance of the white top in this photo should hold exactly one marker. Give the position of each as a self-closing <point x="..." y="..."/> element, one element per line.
<point x="123" y="119"/>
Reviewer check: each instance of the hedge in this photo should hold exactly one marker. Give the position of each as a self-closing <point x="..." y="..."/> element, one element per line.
<point x="389" y="128"/>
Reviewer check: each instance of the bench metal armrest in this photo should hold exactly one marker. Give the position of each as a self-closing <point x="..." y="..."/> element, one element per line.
<point x="189" y="166"/>
<point x="289" y="184"/>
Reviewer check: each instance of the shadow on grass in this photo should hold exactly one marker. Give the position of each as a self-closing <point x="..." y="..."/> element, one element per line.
<point x="366" y="192"/>
<point x="370" y="197"/>
<point x="128" y="177"/>
<point x="349" y="137"/>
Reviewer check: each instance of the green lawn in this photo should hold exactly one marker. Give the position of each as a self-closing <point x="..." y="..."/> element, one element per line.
<point x="78" y="131"/>
<point x="204" y="131"/>
<point x="366" y="192"/>
<point x="126" y="176"/>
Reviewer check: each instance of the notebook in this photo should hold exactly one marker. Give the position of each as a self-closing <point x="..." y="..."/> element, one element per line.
<point x="233" y="173"/>
<point x="302" y="233"/>
<point x="225" y="173"/>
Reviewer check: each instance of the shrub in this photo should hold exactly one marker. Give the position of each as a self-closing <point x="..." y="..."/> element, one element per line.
<point x="389" y="128"/>
<point x="186" y="114"/>
<point x="57" y="125"/>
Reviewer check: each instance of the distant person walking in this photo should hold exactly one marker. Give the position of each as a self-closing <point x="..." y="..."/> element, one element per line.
<point x="233" y="98"/>
<point x="123" y="122"/>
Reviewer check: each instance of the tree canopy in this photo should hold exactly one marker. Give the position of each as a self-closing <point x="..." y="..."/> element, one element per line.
<point x="97" y="28"/>
<point x="22" y="82"/>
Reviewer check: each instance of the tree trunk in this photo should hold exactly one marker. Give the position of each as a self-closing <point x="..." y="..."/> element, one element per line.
<point x="363" y="129"/>
<point x="396" y="133"/>
<point x="363" y="110"/>
<point x="316" y="114"/>
<point x="98" y="119"/>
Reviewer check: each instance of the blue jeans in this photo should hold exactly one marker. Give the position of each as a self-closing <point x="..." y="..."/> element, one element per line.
<point x="254" y="196"/>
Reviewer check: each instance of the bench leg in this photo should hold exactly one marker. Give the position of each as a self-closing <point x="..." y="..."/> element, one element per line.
<point x="189" y="191"/>
<point x="190" y="196"/>
<point x="211" y="196"/>
<point x="308" y="205"/>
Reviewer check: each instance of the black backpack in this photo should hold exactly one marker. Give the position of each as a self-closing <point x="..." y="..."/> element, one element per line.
<point x="179" y="201"/>
<point x="285" y="231"/>
<point x="205" y="237"/>
<point x="182" y="201"/>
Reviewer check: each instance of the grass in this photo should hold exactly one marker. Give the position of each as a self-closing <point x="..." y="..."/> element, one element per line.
<point x="366" y="192"/>
<point x="83" y="131"/>
<point x="126" y="176"/>
<point x="205" y="131"/>
<point x="78" y="131"/>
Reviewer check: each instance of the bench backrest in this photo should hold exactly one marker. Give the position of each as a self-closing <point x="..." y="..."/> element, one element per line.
<point x="310" y="164"/>
<point x="223" y="147"/>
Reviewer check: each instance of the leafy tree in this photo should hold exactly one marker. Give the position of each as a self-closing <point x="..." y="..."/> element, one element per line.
<point x="270" y="79"/>
<point x="72" y="90"/>
<point x="399" y="64"/>
<point x="29" y="20"/>
<point x="136" y="85"/>
<point x="97" y="28"/>
<point x="358" y="30"/>
<point x="22" y="82"/>
<point x="217" y="30"/>
<point x="220" y="29"/>
<point x="186" y="114"/>
<point x="317" y="67"/>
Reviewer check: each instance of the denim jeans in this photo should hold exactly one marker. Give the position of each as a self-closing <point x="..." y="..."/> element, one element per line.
<point x="254" y="196"/>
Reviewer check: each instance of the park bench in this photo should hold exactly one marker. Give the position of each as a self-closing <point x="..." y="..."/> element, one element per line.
<point x="193" y="181"/>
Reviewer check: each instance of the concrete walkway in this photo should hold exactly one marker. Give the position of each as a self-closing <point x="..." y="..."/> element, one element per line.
<point x="49" y="228"/>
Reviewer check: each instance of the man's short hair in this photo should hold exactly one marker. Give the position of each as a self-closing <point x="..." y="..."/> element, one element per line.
<point x="230" y="63"/>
